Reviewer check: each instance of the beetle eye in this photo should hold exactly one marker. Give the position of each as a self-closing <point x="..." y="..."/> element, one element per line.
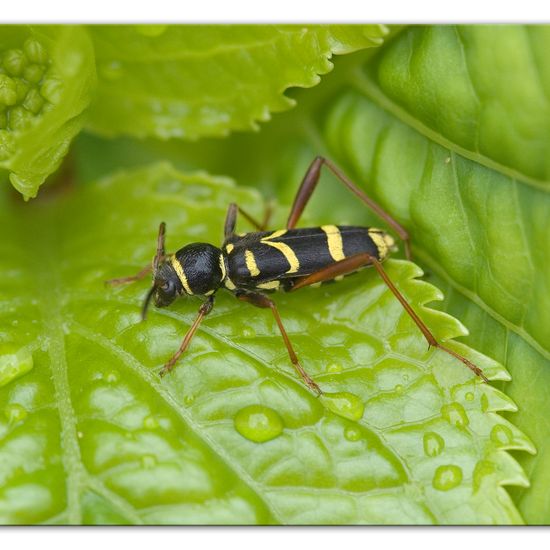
<point x="168" y="286"/>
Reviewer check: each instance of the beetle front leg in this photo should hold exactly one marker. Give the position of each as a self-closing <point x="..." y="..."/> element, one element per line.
<point x="260" y="300"/>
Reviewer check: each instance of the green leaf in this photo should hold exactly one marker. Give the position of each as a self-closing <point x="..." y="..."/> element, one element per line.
<point x="478" y="218"/>
<point x="105" y="440"/>
<point x="46" y="79"/>
<point x="206" y="80"/>
<point x="490" y="104"/>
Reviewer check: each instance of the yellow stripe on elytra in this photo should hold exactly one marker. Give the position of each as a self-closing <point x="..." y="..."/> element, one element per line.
<point x="270" y="285"/>
<point x="382" y="240"/>
<point x="251" y="264"/>
<point x="229" y="284"/>
<point x="178" y="268"/>
<point x="275" y="234"/>
<point x="222" y="267"/>
<point x="334" y="241"/>
<point x="287" y="252"/>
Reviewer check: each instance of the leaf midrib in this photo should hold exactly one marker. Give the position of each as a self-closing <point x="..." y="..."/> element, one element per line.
<point x="154" y="382"/>
<point x="361" y="82"/>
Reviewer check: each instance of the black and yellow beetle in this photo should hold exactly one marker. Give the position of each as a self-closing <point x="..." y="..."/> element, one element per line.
<point x="251" y="265"/>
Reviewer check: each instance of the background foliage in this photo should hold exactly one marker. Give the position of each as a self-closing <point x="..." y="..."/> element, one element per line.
<point x="444" y="126"/>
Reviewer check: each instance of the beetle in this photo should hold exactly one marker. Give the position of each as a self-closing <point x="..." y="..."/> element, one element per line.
<point x="253" y="265"/>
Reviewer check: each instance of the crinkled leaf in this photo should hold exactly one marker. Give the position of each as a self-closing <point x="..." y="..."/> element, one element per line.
<point x="488" y="103"/>
<point x="206" y="80"/>
<point x="478" y="218"/>
<point x="91" y="433"/>
<point x="47" y="75"/>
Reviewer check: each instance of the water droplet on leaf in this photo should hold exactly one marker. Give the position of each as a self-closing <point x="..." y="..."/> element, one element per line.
<point x="258" y="423"/>
<point x="14" y="362"/>
<point x="351" y="433"/>
<point x="501" y="435"/>
<point x="189" y="399"/>
<point x="447" y="477"/>
<point x="148" y="461"/>
<point x="15" y="413"/>
<point x="484" y="401"/>
<point x="469" y="396"/>
<point x="433" y="444"/>
<point x="455" y="414"/>
<point x="112" y="377"/>
<point x="345" y="404"/>
<point x="150" y="422"/>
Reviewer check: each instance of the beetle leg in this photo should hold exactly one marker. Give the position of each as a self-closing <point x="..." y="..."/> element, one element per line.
<point x="353" y="263"/>
<point x="231" y="219"/>
<point x="309" y="183"/>
<point x="260" y="300"/>
<point x="204" y="310"/>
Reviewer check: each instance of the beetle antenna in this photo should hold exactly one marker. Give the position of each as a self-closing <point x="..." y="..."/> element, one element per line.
<point x="147" y="301"/>
<point x="159" y="256"/>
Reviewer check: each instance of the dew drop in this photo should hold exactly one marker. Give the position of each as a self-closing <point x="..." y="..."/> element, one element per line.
<point x="447" y="477"/>
<point x="15" y="413"/>
<point x="484" y="403"/>
<point x="189" y="399"/>
<point x="151" y="30"/>
<point x="150" y="422"/>
<point x="433" y="444"/>
<point x="398" y="388"/>
<point x="14" y="362"/>
<point x="112" y="377"/>
<point x="258" y="423"/>
<point x="469" y="396"/>
<point x="334" y="368"/>
<point x="111" y="70"/>
<point x="249" y="332"/>
<point x="80" y="435"/>
<point x="345" y="404"/>
<point x="455" y="414"/>
<point x="148" y="461"/>
<point x="501" y="435"/>
<point x="352" y="433"/>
